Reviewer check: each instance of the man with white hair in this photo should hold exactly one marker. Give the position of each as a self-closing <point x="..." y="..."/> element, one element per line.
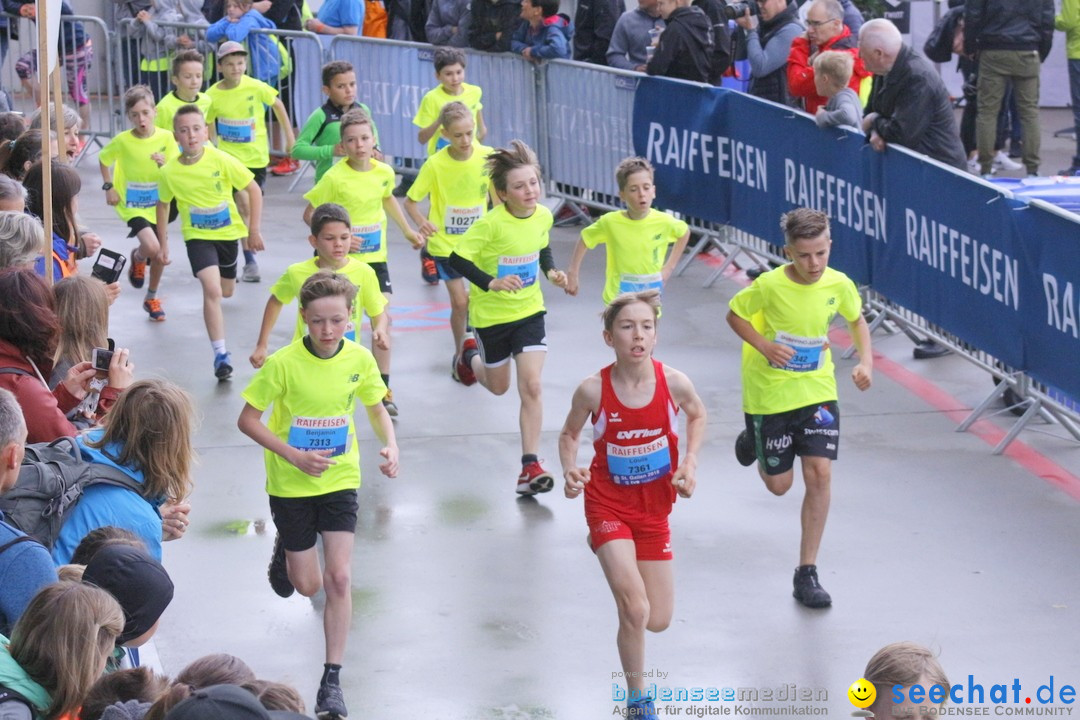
<point x="25" y="565"/>
<point x="909" y="104"/>
<point x="825" y="30"/>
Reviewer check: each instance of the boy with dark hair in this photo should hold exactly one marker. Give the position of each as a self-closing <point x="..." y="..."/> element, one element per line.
<point x="187" y="79"/>
<point x="450" y="72"/>
<point x="544" y="33"/>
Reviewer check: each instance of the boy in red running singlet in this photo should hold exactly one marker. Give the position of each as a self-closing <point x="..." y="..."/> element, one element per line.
<point x="634" y="476"/>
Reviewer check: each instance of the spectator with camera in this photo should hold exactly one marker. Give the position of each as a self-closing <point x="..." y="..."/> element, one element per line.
<point x="1011" y="39"/>
<point x="825" y="30"/>
<point x="767" y="28"/>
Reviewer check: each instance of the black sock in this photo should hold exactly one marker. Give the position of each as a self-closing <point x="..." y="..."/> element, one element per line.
<point x="526" y="459"/>
<point x="330" y="674"/>
<point x="385" y="379"/>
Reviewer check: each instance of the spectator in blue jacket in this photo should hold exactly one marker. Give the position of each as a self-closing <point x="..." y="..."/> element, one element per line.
<point x="25" y="565"/>
<point x="544" y="33"/>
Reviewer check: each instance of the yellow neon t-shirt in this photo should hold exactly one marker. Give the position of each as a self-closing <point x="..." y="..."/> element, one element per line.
<point x="459" y="195"/>
<point x="636" y="249"/>
<point x="501" y="244"/>
<point x="369" y="298"/>
<point x="204" y="194"/>
<point x="168" y="105"/>
<point x="135" y="177"/>
<point x="313" y="403"/>
<point x="432" y="104"/>
<point x="362" y="194"/>
<point x="787" y="312"/>
<point x="239" y="118"/>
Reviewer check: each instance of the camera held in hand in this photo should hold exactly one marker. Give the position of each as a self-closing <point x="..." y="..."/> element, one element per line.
<point x="735" y="10"/>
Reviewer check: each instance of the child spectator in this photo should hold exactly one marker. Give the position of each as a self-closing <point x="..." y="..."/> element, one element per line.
<point x="236" y="26"/>
<point x="240" y="127"/>
<point x="448" y="23"/>
<point x="123" y="695"/>
<point x="57" y="650"/>
<point x="544" y="33"/>
<point x="276" y="696"/>
<point x="202" y="180"/>
<point x="457" y="180"/>
<point x="503" y="255"/>
<point x="12" y="125"/>
<point x="832" y="73"/>
<point x="363" y="185"/>
<point x="320" y="139"/>
<point x="102" y="537"/>
<point x="312" y="460"/>
<point x="160" y="42"/>
<point x="331" y="237"/>
<point x="637" y="238"/>
<point x="17" y="156"/>
<point x="143" y="589"/>
<point x="187" y="80"/>
<point x="132" y="188"/>
<point x="450" y="72"/>
<point x="68" y="244"/>
<point x="207" y="671"/>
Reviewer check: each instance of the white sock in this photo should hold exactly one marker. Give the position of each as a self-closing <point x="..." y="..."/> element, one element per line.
<point x="219" y="346"/>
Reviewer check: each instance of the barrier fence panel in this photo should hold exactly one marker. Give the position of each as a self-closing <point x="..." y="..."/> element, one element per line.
<point x="301" y="87"/>
<point x="393" y="76"/>
<point x="587" y="112"/>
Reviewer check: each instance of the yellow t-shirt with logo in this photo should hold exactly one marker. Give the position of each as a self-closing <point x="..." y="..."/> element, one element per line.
<point x="170" y="103"/>
<point x="432" y="104"/>
<point x="636" y="249"/>
<point x="459" y="195"/>
<point x="362" y="194"/>
<point x="799" y="316"/>
<point x="369" y="298"/>
<point x="135" y="177"/>
<point x="204" y="194"/>
<point x="500" y="245"/>
<point x="313" y="403"/>
<point x="239" y="118"/>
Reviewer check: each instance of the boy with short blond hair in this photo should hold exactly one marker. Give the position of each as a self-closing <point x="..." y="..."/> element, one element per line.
<point x="637" y="238"/>
<point x="832" y="73"/>
<point x="450" y="72"/>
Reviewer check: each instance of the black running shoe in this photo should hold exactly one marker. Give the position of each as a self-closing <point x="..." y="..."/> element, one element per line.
<point x="278" y="573"/>
<point x="330" y="703"/>
<point x="744" y="450"/>
<point x="808" y="590"/>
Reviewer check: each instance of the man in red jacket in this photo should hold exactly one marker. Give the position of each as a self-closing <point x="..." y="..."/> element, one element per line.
<point x="825" y="30"/>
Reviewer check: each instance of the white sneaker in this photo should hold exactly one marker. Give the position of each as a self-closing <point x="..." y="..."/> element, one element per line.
<point x="973" y="166"/>
<point x="1003" y="162"/>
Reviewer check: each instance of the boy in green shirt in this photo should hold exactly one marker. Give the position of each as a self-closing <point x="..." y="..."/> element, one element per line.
<point x="202" y="180"/>
<point x="789" y="389"/>
<point x="312" y="462"/>
<point x="238" y="119"/>
<point x="636" y="238"/>
<point x="319" y="140"/>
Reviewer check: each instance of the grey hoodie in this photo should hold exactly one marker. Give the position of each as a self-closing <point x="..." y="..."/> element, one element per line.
<point x="156" y="41"/>
<point x="446" y="15"/>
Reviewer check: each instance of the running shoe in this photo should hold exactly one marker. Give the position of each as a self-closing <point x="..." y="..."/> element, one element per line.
<point x="251" y="273"/>
<point x="641" y="710"/>
<point x="428" y="271"/>
<point x="285" y="166"/>
<point x="153" y="307"/>
<point x="808" y="590"/>
<point x="463" y="371"/>
<point x="330" y="703"/>
<point x="223" y="366"/>
<point x="744" y="449"/>
<point x="534" y="479"/>
<point x="137" y="271"/>
<point x="389" y="404"/>
<point x="1004" y="162"/>
<point x="278" y="572"/>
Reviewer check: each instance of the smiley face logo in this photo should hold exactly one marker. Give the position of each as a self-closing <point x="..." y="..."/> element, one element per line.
<point x="862" y="693"/>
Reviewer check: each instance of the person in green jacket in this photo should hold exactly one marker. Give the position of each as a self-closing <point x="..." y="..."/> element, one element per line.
<point x="57" y="651"/>
<point x="1068" y="20"/>
<point x="320" y="139"/>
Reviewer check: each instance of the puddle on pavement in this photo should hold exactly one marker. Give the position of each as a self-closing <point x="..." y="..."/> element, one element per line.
<point x="513" y="712"/>
<point x="462" y="510"/>
<point x="240" y="527"/>
<point x="509" y="633"/>
<point x="364" y="601"/>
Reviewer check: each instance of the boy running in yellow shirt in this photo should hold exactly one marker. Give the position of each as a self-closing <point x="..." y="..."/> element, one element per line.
<point x="637" y="238"/>
<point x="202" y="180"/>
<point x="238" y="118"/>
<point x="450" y="72"/>
<point x="331" y="236"/>
<point x="312" y="462"/>
<point x="789" y="389"/>
<point x="363" y="186"/>
<point x="130" y="167"/>
<point x="503" y="255"/>
<point x="456" y="178"/>
<point x="187" y="80"/>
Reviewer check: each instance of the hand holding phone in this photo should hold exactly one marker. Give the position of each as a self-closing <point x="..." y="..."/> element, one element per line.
<point x="109" y="266"/>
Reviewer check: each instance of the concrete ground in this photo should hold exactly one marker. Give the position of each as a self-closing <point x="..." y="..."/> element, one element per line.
<point x="472" y="603"/>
